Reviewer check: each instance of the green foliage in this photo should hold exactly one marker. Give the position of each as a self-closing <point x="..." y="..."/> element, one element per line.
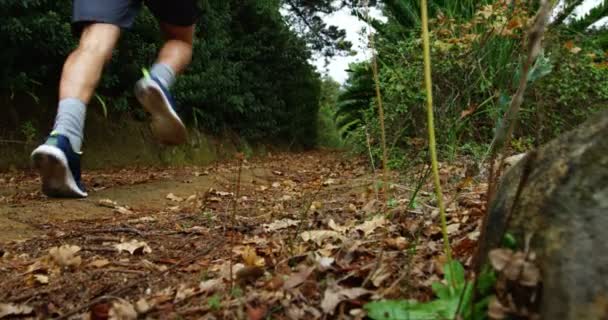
<point x="454" y="298"/>
<point x="328" y="133"/>
<point x="477" y="52"/>
<point x="250" y="72"/>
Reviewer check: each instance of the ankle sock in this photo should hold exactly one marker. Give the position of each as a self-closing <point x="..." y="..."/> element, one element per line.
<point x="70" y="121"/>
<point x="163" y="73"/>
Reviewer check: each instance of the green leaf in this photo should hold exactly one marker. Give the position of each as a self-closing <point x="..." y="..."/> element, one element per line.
<point x="401" y="310"/>
<point x="457" y="278"/>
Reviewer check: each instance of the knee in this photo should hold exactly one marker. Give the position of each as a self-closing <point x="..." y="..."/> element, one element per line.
<point x="99" y="39"/>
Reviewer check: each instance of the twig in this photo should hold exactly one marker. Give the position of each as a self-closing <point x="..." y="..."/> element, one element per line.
<point x="237" y="187"/>
<point x="118" y="229"/>
<point x="138" y="281"/>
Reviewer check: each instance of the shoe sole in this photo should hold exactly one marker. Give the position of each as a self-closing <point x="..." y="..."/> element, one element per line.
<point x="57" y="180"/>
<point x="166" y="124"/>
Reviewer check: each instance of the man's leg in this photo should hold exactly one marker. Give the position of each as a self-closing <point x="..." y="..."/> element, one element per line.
<point x="82" y="69"/>
<point x="58" y="159"/>
<point x="153" y="91"/>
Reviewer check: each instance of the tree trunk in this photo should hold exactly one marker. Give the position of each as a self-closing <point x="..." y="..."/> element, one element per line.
<point x="558" y="196"/>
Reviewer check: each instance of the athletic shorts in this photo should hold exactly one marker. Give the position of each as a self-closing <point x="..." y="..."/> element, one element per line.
<point x="123" y="12"/>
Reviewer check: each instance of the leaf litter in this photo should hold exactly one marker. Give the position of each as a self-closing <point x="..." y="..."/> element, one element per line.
<point x="308" y="237"/>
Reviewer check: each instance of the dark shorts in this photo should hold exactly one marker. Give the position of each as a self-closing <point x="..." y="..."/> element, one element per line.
<point x="123" y="12"/>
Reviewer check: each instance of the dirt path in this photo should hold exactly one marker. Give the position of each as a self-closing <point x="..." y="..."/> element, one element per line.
<point x="306" y="237"/>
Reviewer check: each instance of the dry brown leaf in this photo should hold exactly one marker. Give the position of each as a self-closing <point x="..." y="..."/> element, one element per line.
<point x="469" y="111"/>
<point x="251" y="258"/>
<point x="41" y="279"/>
<point x="175" y="198"/>
<point x="398" y="243"/>
<point x="369" y="226"/>
<point x="499" y="258"/>
<point x="329" y="182"/>
<point x="122" y="310"/>
<point x="11" y="309"/>
<point x="107" y="203"/>
<point x="371" y="207"/>
<point x="319" y="236"/>
<point x="316" y="205"/>
<point x="530" y="275"/>
<point x="98" y="263"/>
<point x="123" y="210"/>
<point x="279" y="224"/>
<point x="380" y="275"/>
<point x="133" y="247"/>
<point x="298" y="278"/>
<point x="65" y="256"/>
<point x="324" y="263"/>
<point x="153" y="266"/>
<point x="209" y="286"/>
<point x="257" y="313"/>
<point x="496" y="310"/>
<point x="183" y="292"/>
<point x="334" y="226"/>
<point x="249" y="274"/>
<point x="335" y="294"/>
<point x="142" y="306"/>
<point x="453" y="228"/>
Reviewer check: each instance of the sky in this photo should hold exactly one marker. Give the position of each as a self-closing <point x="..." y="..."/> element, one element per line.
<point x="352" y="25"/>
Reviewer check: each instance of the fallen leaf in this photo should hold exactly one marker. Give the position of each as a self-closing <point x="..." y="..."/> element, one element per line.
<point x="398" y="243"/>
<point x="41" y="279"/>
<point x="499" y="258"/>
<point x="11" y="309"/>
<point x="251" y="258"/>
<point x="65" y="255"/>
<point x="318" y="236"/>
<point x="496" y="310"/>
<point x="122" y="310"/>
<point x="99" y="263"/>
<point x="183" y="292"/>
<point x="352" y="208"/>
<point x="298" y="278"/>
<point x="209" y="286"/>
<point x="452" y="228"/>
<point x="175" y="198"/>
<point x="123" y="210"/>
<point x="370" y="207"/>
<point x="257" y="313"/>
<point x="369" y="226"/>
<point x="107" y="203"/>
<point x="331" y="224"/>
<point x="324" y="263"/>
<point x="142" y="306"/>
<point x="316" y="205"/>
<point x="329" y="182"/>
<point x="335" y="294"/>
<point x="249" y="274"/>
<point x="469" y="111"/>
<point x="380" y="275"/>
<point x="280" y="224"/>
<point x="153" y="266"/>
<point x="133" y="247"/>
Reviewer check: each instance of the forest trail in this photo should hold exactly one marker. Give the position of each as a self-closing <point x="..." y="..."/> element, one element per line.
<point x="306" y="237"/>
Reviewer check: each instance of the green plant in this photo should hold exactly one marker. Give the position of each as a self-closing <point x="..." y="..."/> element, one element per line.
<point x="454" y="299"/>
<point x="214" y="302"/>
<point x="29" y="131"/>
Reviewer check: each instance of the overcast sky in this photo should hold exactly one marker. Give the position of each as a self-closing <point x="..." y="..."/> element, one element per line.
<point x="343" y="19"/>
